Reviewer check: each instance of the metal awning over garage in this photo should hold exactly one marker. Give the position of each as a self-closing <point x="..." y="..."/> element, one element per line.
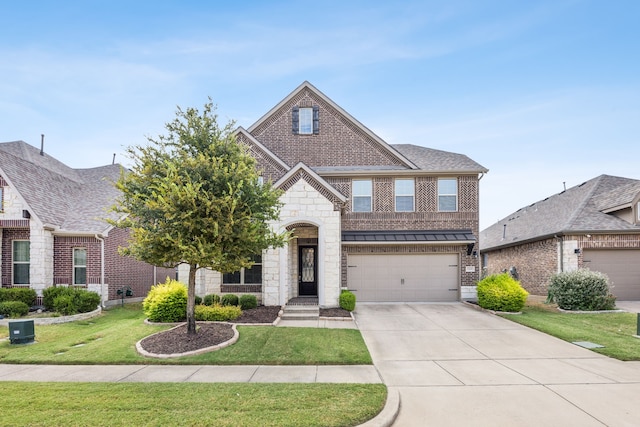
<point x="408" y="236"/>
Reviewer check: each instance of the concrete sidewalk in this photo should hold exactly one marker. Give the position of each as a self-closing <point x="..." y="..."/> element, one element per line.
<point x="454" y="365"/>
<point x="194" y="373"/>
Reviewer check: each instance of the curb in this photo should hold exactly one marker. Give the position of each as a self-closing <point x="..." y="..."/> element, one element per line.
<point x="389" y="413"/>
<point x="145" y="353"/>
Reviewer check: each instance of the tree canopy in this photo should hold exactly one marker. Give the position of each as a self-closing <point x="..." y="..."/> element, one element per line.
<point x="194" y="196"/>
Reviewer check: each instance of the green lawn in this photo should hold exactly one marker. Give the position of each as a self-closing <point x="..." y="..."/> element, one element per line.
<point x="612" y="330"/>
<point x="110" y="339"/>
<point x="162" y="404"/>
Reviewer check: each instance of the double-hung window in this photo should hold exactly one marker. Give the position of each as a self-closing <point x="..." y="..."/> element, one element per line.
<point x="79" y="266"/>
<point x="405" y="195"/>
<point x="362" y="191"/>
<point x="246" y="276"/>
<point x="21" y="262"/>
<point x="306" y="121"/>
<point x="447" y="194"/>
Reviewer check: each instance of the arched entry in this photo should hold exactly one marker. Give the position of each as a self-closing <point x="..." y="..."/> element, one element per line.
<point x="304" y="259"/>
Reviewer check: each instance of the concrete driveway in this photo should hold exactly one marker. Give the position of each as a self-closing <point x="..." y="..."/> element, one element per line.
<point x="454" y="365"/>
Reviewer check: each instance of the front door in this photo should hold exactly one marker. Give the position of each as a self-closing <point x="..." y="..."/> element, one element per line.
<point x="308" y="271"/>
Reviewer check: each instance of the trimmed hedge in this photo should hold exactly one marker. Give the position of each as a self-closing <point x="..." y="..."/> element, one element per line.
<point x="68" y="301"/>
<point x="229" y="299"/>
<point x="581" y="289"/>
<point x="13" y="308"/>
<point x="217" y="313"/>
<point x="347" y="300"/>
<point x="211" y="299"/>
<point x="166" y="302"/>
<point x="248" y="302"/>
<point x="26" y="295"/>
<point x="501" y="292"/>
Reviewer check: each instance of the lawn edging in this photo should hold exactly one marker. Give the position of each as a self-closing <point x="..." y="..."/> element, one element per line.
<point x="55" y="320"/>
<point x="146" y="353"/>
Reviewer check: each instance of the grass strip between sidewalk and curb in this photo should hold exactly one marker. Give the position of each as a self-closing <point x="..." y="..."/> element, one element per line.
<point x="110" y="338"/>
<point x="157" y="404"/>
<point x="612" y="330"/>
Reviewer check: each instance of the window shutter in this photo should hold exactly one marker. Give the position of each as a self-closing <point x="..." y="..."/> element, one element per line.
<point x="316" y="120"/>
<point x="295" y="120"/>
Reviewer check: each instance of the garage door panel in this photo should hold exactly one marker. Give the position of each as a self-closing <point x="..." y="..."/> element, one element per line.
<point x="621" y="265"/>
<point x="397" y="278"/>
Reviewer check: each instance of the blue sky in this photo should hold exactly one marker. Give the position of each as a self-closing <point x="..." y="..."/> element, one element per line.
<point x="540" y="92"/>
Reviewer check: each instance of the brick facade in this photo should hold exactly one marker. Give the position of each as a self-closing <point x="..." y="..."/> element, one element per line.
<point x="63" y="247"/>
<point x="8" y="236"/>
<point x="126" y="271"/>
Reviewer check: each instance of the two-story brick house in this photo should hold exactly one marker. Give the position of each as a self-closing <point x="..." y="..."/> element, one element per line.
<point x="53" y="231"/>
<point x="389" y="222"/>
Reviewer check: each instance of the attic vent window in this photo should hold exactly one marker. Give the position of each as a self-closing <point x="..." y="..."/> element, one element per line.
<point x="305" y="120"/>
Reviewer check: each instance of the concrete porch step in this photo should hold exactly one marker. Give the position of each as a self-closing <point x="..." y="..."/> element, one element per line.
<point x="300" y="312"/>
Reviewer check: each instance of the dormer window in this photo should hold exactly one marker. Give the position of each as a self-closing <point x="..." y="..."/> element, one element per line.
<point x="305" y="120"/>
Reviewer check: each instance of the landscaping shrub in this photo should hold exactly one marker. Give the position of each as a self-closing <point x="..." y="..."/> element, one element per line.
<point x="248" y="302"/>
<point x="217" y="313"/>
<point x="166" y="302"/>
<point x="13" y="308"/>
<point x="229" y="299"/>
<point x="581" y="289"/>
<point x="211" y="299"/>
<point x="68" y="301"/>
<point x="347" y="300"/>
<point x="26" y="295"/>
<point x="501" y="292"/>
<point x="198" y="300"/>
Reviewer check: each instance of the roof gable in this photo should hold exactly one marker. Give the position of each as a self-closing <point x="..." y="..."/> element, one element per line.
<point x="341" y="140"/>
<point x="302" y="171"/>
<point x="578" y="209"/>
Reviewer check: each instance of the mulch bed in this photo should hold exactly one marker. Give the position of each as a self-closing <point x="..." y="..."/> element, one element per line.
<point x="209" y="334"/>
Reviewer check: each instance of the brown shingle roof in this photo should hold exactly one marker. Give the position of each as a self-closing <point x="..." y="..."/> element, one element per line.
<point x="578" y="209"/>
<point x="437" y="160"/>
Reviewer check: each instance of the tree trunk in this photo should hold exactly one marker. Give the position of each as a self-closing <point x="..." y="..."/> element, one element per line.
<point x="191" y="300"/>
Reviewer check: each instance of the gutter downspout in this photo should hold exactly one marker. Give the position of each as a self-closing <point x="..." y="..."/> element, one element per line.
<point x="103" y="299"/>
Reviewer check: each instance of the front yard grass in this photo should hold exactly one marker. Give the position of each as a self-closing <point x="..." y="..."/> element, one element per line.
<point x="612" y="330"/>
<point x="158" y="404"/>
<point x="111" y="337"/>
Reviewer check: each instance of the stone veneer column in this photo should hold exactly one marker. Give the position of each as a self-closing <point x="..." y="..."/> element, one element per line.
<point x="41" y="258"/>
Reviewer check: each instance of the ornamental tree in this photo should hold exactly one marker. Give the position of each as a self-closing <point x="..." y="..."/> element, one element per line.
<point x="193" y="196"/>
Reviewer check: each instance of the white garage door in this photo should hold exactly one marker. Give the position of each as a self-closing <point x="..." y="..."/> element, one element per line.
<point x="427" y="278"/>
<point x="622" y="267"/>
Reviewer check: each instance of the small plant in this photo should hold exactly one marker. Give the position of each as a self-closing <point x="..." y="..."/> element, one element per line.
<point x="501" y="292"/>
<point x="211" y="299"/>
<point x="217" y="313"/>
<point x="26" y="295"/>
<point x="248" y="302"/>
<point x="13" y="308"/>
<point x="166" y="302"/>
<point x="347" y="300"/>
<point x="581" y="289"/>
<point x="229" y="299"/>
<point x="198" y="300"/>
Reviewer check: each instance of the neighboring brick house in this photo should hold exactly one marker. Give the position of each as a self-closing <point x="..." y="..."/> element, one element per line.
<point x="53" y="230"/>
<point x="390" y="222"/>
<point x="594" y="225"/>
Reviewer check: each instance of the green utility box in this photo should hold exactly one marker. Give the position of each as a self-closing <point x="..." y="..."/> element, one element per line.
<point x="21" y="331"/>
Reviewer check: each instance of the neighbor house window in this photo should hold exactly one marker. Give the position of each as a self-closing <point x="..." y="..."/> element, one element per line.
<point x="305" y="120"/>
<point x="79" y="266"/>
<point x="447" y="195"/>
<point x="246" y="276"/>
<point x="1" y="199"/>
<point x="404" y="191"/>
<point x="362" y="190"/>
<point x="21" y="262"/>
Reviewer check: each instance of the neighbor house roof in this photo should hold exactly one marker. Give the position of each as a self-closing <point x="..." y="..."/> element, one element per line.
<point x="66" y="199"/>
<point x="583" y="208"/>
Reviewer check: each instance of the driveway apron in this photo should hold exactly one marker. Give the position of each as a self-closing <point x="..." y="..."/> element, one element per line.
<point x="454" y="365"/>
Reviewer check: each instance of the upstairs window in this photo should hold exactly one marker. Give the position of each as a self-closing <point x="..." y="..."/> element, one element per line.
<point x="404" y="191"/>
<point x="79" y="266"/>
<point x="305" y="120"/>
<point x="447" y="195"/>
<point x="246" y="276"/>
<point x="21" y="262"/>
<point x="362" y="192"/>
